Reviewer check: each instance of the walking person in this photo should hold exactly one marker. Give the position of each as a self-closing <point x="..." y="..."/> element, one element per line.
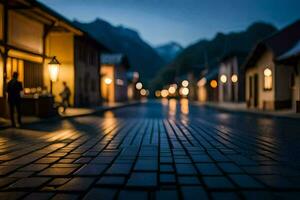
<point x="14" y="89"/>
<point x="65" y="95"/>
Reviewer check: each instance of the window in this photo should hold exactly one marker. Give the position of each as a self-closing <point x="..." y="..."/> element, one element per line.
<point x="268" y="79"/>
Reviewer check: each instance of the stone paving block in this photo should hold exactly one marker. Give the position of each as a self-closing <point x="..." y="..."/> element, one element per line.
<point x="12" y="195"/>
<point x="65" y="165"/>
<point x="230" y="168"/>
<point x="254" y="195"/>
<point x="100" y="194"/>
<point x="167" y="178"/>
<point x="32" y="182"/>
<point x="111" y="181"/>
<point x="208" y="169"/>
<point x="21" y="174"/>
<point x="83" y="160"/>
<point x="166" y="160"/>
<point x="65" y="197"/>
<point x="77" y="185"/>
<point x="47" y="160"/>
<point x="90" y="170"/>
<point x="192" y="192"/>
<point x="6" y="181"/>
<point x="119" y="169"/>
<point x="58" y="181"/>
<point x="225" y="196"/>
<point x="218" y="182"/>
<point x="142" y="179"/>
<point x="185" y="169"/>
<point x="275" y="181"/>
<point x="166" y="168"/>
<point x="245" y="181"/>
<point x="34" y="167"/>
<point x="4" y="170"/>
<point x="51" y="171"/>
<point x="130" y="194"/>
<point x="146" y="165"/>
<point x="188" y="180"/>
<point x="39" y="196"/>
<point x="166" y="194"/>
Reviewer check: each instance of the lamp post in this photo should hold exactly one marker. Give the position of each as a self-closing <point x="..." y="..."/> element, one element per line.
<point x="107" y="82"/>
<point x="53" y="67"/>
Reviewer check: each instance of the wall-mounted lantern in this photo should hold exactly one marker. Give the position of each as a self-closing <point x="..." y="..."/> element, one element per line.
<point x="53" y="67"/>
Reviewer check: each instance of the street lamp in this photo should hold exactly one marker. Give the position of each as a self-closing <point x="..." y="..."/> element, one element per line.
<point x="223" y="78"/>
<point x="139" y="86"/>
<point x="107" y="82"/>
<point x="53" y="67"/>
<point x="234" y="78"/>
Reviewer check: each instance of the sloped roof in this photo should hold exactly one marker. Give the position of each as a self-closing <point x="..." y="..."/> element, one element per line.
<point x="279" y="43"/>
<point x="293" y="52"/>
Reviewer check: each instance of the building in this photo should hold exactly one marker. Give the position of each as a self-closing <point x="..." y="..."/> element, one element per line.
<point x="29" y="52"/>
<point x="292" y="58"/>
<point x="113" y="72"/>
<point x="231" y="79"/>
<point x="269" y="82"/>
<point x="208" y="86"/>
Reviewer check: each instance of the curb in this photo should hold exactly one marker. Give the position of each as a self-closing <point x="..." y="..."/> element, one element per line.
<point x="261" y="114"/>
<point x="51" y="119"/>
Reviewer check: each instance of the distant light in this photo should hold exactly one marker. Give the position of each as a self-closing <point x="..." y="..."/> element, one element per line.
<point x="213" y="84"/>
<point x="185" y="91"/>
<point x="202" y="82"/>
<point x="267" y="72"/>
<point x="143" y="92"/>
<point x="223" y="78"/>
<point x="164" y="93"/>
<point x="139" y="86"/>
<point x="136" y="75"/>
<point x="185" y="83"/>
<point x="172" y="90"/>
<point x="234" y="78"/>
<point x="119" y="82"/>
<point x="107" y="81"/>
<point x="157" y="93"/>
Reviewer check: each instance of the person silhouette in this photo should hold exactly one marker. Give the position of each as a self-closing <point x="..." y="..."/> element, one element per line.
<point x="14" y="88"/>
<point x="65" y="95"/>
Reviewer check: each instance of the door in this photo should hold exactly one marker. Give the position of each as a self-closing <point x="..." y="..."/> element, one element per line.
<point x="255" y="90"/>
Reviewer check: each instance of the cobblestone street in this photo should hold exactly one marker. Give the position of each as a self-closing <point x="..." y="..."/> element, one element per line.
<point x="153" y="151"/>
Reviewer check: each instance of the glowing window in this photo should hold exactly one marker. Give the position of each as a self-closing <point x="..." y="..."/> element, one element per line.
<point x="268" y="79"/>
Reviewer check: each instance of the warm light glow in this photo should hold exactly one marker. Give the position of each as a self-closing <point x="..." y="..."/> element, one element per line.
<point x="185" y="83"/>
<point x="184" y="105"/>
<point x="120" y="82"/>
<point x="202" y="82"/>
<point x="234" y="78"/>
<point x="164" y="93"/>
<point x="213" y="84"/>
<point x="223" y="78"/>
<point x="107" y="81"/>
<point x="184" y="91"/>
<point x="172" y="90"/>
<point x="267" y="79"/>
<point x="157" y="93"/>
<point x="267" y="72"/>
<point x="53" y="66"/>
<point x="143" y="92"/>
<point x="139" y="86"/>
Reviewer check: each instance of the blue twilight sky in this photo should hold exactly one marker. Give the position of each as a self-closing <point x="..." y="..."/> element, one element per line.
<point x="183" y="21"/>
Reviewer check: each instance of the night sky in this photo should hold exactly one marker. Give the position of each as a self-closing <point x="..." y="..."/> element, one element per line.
<point x="183" y="21"/>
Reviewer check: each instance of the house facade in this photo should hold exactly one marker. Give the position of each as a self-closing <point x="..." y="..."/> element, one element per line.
<point x="269" y="82"/>
<point x="31" y="34"/>
<point x="208" y="86"/>
<point x="113" y="70"/>
<point x="231" y="78"/>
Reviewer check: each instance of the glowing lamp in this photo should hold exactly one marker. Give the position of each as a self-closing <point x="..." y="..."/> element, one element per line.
<point x="185" y="91"/>
<point x="143" y="92"/>
<point x="234" y="78"/>
<point x="267" y="72"/>
<point x="157" y="93"/>
<point x="107" y="81"/>
<point x="139" y="86"/>
<point x="164" y="93"/>
<point x="185" y="83"/>
<point x="213" y="84"/>
<point x="172" y="90"/>
<point x="223" y="78"/>
<point x="53" y="67"/>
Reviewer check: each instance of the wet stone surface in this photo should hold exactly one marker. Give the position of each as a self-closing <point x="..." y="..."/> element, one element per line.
<point x="153" y="151"/>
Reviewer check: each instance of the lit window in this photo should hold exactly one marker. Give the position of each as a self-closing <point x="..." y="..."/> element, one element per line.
<point x="267" y="79"/>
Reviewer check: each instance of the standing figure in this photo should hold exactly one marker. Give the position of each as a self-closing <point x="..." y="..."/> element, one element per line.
<point x="65" y="95"/>
<point x="14" y="88"/>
